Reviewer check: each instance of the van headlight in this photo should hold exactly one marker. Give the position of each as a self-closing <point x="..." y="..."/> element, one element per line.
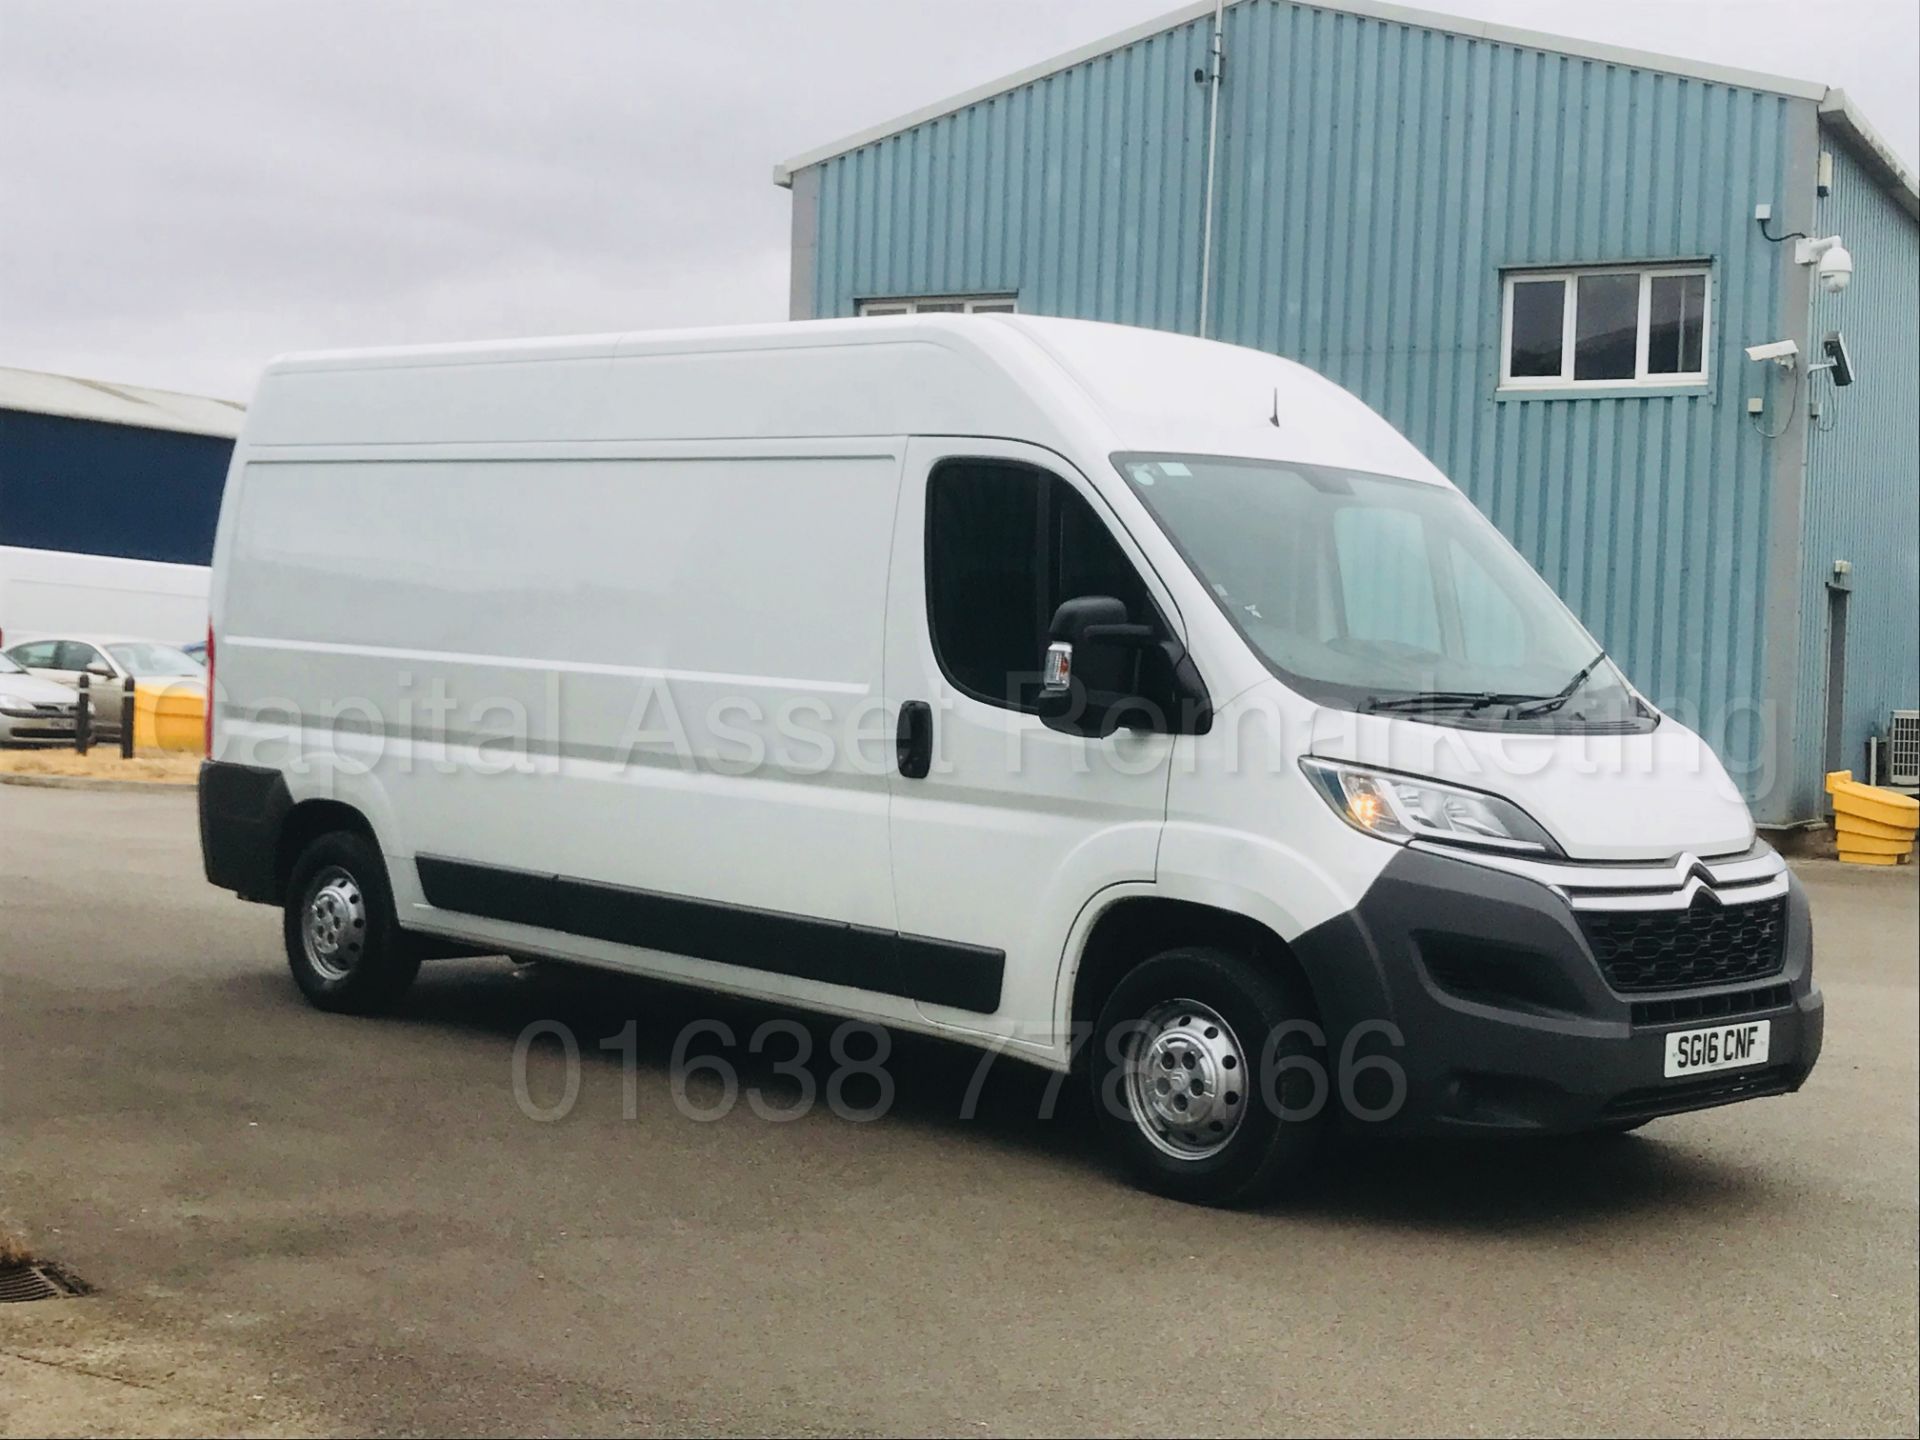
<point x="1403" y="807"/>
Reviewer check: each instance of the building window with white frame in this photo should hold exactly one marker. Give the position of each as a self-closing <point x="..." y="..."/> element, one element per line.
<point x="1605" y="327"/>
<point x="940" y="305"/>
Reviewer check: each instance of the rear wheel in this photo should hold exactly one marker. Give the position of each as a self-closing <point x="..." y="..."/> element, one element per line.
<point x="1202" y="1072"/>
<point x="343" y="944"/>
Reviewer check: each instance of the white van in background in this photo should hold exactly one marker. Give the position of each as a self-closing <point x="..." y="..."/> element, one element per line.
<point x="43" y="591"/>
<point x="1124" y="701"/>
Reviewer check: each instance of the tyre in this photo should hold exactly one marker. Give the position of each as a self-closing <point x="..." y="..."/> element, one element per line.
<point x="1203" y="1088"/>
<point x="343" y="944"/>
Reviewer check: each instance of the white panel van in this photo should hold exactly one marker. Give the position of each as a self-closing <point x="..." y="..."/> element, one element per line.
<point x="1129" y="703"/>
<point x="47" y="591"/>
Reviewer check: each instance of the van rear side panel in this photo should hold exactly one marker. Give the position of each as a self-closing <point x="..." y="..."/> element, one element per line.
<point x="648" y="671"/>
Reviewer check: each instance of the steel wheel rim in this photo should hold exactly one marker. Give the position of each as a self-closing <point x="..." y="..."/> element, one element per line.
<point x="333" y="924"/>
<point x="1186" y="1080"/>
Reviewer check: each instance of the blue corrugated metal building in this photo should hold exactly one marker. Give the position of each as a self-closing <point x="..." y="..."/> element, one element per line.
<point x="97" y="469"/>
<point x="1538" y="257"/>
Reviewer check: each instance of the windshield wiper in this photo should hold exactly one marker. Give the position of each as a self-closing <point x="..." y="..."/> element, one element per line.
<point x="1547" y="704"/>
<point x="1468" y="700"/>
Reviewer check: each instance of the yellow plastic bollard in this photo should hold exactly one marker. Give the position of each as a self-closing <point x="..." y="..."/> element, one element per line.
<point x="1871" y="826"/>
<point x="169" y="716"/>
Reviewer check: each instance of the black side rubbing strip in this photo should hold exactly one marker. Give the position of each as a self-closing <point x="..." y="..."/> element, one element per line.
<point x="490" y="890"/>
<point x="916" y="967"/>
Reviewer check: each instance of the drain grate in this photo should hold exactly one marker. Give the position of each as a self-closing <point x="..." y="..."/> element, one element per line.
<point x="36" y="1282"/>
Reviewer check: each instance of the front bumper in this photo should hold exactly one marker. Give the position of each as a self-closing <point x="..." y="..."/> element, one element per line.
<point x="1480" y="990"/>
<point x="38" y="728"/>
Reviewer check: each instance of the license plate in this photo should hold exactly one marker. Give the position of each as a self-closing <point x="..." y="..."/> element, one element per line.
<point x="1723" y="1047"/>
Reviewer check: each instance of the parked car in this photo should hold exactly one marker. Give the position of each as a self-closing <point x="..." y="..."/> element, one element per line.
<point x="107" y="661"/>
<point x="33" y="711"/>
<point x="1134" y="704"/>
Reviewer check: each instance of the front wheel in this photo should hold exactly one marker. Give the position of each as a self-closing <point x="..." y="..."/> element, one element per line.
<point x="343" y="944"/>
<point x="1203" y="1076"/>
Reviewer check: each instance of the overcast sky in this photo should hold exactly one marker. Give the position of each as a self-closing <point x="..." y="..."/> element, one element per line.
<point x="190" y="186"/>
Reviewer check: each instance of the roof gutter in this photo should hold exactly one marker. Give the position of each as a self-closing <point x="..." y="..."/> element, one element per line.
<point x="1838" y="114"/>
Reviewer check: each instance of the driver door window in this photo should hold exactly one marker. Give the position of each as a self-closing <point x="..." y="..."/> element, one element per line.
<point x="1006" y="544"/>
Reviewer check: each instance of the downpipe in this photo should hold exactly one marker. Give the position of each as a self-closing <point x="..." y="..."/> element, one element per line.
<point x="1213" y="78"/>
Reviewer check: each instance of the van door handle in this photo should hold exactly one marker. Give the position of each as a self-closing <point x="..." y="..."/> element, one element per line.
<point x="913" y="739"/>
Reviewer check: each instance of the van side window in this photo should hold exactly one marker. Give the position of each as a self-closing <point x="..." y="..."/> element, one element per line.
<point x="1006" y="544"/>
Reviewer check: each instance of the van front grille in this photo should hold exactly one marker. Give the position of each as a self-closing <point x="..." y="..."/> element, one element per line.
<point x="1706" y="944"/>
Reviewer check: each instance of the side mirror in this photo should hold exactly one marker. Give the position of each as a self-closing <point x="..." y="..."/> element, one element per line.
<point x="100" y="669"/>
<point x="1103" y="671"/>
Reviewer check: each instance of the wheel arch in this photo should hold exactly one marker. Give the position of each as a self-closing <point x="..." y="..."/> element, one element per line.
<point x="306" y="822"/>
<point x="1134" y="927"/>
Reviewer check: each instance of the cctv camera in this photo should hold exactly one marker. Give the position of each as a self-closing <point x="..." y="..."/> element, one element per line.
<point x="1836" y="269"/>
<point x="1835" y="264"/>
<point x="1781" y="351"/>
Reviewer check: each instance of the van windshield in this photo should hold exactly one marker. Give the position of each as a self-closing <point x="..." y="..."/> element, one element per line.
<point x="1367" y="592"/>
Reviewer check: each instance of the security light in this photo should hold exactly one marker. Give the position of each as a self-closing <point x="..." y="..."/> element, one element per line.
<point x="1839" y="363"/>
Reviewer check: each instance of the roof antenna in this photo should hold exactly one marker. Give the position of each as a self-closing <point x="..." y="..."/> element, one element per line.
<point x="1276" y="407"/>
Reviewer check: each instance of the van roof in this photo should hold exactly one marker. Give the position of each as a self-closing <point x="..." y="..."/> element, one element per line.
<point x="1076" y="386"/>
